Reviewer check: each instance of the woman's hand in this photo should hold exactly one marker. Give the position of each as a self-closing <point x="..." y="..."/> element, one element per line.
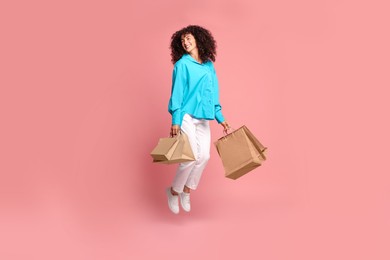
<point x="174" y="130"/>
<point x="226" y="127"/>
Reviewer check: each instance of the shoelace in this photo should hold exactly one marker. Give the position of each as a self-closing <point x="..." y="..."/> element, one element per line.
<point x="186" y="198"/>
<point x="172" y="197"/>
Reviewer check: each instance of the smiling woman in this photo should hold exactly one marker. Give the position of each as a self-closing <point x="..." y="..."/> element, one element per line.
<point x="189" y="44"/>
<point x="193" y="103"/>
<point x="203" y="42"/>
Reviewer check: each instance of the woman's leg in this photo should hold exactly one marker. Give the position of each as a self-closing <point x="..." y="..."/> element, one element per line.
<point x="184" y="169"/>
<point x="203" y="140"/>
<point x="188" y="174"/>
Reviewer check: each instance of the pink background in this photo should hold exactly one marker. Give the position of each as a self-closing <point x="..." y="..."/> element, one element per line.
<point x="83" y="100"/>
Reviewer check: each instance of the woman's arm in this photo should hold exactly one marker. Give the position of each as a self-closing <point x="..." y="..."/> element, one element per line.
<point x="179" y="79"/>
<point x="217" y="106"/>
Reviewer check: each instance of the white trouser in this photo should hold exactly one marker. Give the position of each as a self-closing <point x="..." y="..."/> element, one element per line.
<point x="189" y="173"/>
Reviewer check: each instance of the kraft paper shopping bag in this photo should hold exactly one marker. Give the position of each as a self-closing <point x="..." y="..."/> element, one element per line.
<point x="240" y="152"/>
<point x="173" y="150"/>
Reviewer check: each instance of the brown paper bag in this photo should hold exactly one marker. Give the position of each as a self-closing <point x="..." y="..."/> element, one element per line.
<point x="240" y="152"/>
<point x="173" y="150"/>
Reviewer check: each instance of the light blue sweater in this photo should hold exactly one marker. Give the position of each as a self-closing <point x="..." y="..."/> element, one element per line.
<point x="194" y="91"/>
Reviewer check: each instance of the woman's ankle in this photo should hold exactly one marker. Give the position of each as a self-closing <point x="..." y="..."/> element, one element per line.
<point x="186" y="189"/>
<point x="174" y="192"/>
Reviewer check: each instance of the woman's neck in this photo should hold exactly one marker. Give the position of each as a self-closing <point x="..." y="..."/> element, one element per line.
<point x="195" y="54"/>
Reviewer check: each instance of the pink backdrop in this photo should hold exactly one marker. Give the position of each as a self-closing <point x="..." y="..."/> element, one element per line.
<point x="83" y="100"/>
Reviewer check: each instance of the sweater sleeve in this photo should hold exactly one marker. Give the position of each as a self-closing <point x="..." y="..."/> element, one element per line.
<point x="217" y="106"/>
<point x="179" y="80"/>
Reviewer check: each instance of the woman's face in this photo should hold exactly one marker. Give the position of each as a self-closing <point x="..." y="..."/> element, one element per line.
<point x="188" y="42"/>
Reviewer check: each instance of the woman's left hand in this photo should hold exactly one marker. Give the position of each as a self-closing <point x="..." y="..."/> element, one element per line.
<point x="226" y="127"/>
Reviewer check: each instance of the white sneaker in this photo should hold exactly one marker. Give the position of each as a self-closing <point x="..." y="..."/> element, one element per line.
<point x="185" y="201"/>
<point x="173" y="201"/>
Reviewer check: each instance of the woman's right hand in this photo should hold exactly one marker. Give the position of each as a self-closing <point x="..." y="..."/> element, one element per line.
<point x="174" y="130"/>
<point x="226" y="127"/>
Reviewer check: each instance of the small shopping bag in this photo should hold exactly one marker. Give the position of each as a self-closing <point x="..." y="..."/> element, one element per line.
<point x="173" y="150"/>
<point x="240" y="152"/>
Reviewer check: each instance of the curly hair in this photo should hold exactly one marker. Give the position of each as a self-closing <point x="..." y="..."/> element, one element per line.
<point x="204" y="41"/>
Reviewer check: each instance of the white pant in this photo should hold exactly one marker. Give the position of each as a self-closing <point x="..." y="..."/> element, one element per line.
<point x="189" y="173"/>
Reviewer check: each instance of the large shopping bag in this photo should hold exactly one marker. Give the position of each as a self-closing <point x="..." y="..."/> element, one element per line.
<point x="240" y="152"/>
<point x="173" y="150"/>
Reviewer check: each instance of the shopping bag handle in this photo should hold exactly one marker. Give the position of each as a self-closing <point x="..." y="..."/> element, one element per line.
<point x="232" y="129"/>
<point x="175" y="136"/>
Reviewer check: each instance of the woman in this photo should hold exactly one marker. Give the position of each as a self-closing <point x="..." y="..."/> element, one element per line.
<point x="194" y="101"/>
